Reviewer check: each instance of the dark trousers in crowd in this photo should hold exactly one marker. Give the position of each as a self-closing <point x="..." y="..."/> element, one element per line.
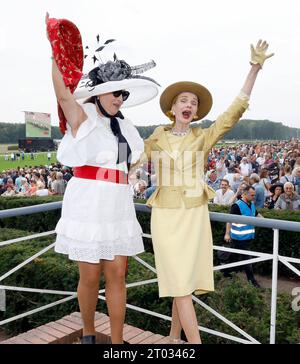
<point x="235" y="257"/>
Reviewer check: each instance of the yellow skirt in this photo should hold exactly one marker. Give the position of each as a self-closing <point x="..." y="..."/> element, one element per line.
<point x="182" y="243"/>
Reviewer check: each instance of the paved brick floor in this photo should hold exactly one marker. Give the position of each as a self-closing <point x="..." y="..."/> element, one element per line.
<point x="68" y="330"/>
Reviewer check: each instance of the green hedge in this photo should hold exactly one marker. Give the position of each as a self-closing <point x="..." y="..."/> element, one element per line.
<point x="50" y="271"/>
<point x="238" y="301"/>
<point x="39" y="222"/>
<point x="289" y="241"/>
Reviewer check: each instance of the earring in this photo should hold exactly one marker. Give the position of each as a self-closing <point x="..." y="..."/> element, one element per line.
<point x="195" y="117"/>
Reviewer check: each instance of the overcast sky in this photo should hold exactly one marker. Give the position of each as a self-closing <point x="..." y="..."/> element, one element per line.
<point x="202" y="41"/>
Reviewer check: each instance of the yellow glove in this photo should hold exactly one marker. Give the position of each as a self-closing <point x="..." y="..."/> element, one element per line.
<point x="258" y="54"/>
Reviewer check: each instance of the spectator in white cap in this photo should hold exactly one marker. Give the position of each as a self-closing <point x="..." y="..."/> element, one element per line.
<point x="245" y="167"/>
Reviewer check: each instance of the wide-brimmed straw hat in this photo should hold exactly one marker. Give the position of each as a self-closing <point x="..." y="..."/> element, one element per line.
<point x="171" y="92"/>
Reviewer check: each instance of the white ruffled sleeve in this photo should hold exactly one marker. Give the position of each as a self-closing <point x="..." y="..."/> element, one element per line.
<point x="72" y="151"/>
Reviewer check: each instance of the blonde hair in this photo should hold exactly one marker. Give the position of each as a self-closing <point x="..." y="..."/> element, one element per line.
<point x="297" y="162"/>
<point x="295" y="170"/>
<point x="170" y="114"/>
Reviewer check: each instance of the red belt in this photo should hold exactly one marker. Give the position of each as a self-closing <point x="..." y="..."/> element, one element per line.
<point x="102" y="174"/>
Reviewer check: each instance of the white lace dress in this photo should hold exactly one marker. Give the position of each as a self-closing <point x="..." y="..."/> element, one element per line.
<point x="98" y="219"/>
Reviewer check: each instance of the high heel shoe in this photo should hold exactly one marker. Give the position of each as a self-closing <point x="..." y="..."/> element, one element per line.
<point x="88" y="339"/>
<point x="176" y="341"/>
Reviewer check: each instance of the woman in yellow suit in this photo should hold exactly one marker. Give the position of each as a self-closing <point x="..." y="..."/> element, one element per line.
<point x="180" y="224"/>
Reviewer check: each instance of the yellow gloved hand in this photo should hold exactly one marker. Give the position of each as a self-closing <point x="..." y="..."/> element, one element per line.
<point x="258" y="54"/>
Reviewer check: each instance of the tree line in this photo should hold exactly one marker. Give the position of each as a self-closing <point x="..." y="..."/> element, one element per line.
<point x="244" y="130"/>
<point x="11" y="133"/>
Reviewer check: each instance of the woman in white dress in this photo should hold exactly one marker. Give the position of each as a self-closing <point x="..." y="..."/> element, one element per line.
<point x="98" y="226"/>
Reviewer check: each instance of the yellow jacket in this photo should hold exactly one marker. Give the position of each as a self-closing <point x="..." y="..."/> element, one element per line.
<point x="180" y="176"/>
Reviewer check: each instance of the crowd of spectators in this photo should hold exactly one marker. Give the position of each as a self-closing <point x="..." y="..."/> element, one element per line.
<point x="272" y="168"/>
<point x="34" y="181"/>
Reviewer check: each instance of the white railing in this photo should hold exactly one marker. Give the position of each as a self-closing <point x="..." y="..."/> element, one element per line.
<point x="276" y="225"/>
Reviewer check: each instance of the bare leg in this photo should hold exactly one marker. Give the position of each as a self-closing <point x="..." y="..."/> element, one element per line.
<point x="188" y="319"/>
<point x="175" y="331"/>
<point x="88" y="288"/>
<point x="115" y="292"/>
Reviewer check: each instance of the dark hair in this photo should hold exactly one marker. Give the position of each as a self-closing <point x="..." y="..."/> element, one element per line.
<point x="224" y="180"/>
<point x="247" y="189"/>
<point x="91" y="100"/>
<point x="287" y="169"/>
<point x="263" y="173"/>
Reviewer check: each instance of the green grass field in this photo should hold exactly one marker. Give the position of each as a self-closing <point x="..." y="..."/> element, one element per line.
<point x="39" y="159"/>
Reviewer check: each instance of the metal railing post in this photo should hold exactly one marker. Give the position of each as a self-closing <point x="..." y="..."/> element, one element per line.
<point x="275" y="225"/>
<point x="274" y="286"/>
<point x="2" y="300"/>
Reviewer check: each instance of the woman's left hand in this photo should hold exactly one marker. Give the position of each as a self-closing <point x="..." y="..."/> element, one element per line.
<point x="258" y="54"/>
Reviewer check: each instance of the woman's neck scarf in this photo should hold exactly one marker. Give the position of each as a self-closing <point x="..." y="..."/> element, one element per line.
<point x="124" y="150"/>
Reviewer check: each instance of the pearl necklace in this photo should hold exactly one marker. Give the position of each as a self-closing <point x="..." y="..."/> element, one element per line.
<point x="180" y="133"/>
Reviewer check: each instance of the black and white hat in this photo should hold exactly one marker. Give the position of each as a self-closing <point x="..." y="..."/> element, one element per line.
<point x="118" y="75"/>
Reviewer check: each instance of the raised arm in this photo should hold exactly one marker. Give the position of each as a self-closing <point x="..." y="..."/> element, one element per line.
<point x="250" y="79"/>
<point x="72" y="110"/>
<point x="231" y="116"/>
